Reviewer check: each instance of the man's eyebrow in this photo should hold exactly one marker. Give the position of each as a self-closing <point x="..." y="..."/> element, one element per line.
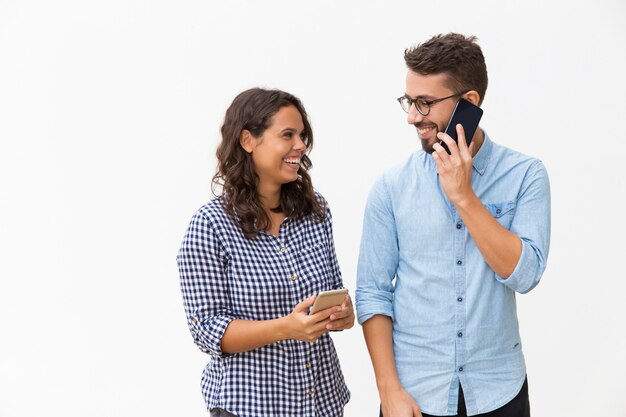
<point x="423" y="96"/>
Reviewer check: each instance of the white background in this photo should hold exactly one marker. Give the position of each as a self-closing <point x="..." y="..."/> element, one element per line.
<point x="109" y="119"/>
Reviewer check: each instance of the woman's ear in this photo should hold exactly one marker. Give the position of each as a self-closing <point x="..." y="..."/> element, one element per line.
<point x="473" y="97"/>
<point x="246" y="140"/>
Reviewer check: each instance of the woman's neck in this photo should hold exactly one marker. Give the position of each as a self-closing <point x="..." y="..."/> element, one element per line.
<point x="269" y="197"/>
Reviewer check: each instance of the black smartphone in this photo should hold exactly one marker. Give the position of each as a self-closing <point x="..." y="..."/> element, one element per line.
<point x="469" y="116"/>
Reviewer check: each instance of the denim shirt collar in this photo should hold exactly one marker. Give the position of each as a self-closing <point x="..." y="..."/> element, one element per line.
<point x="480" y="160"/>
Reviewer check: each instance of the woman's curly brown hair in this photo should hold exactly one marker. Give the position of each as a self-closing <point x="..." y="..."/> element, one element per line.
<point x="253" y="110"/>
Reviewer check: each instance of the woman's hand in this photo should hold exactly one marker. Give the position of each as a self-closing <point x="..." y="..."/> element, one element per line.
<point x="344" y="318"/>
<point x="300" y="325"/>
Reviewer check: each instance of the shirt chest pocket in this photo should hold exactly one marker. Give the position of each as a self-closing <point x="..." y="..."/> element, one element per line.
<point x="503" y="212"/>
<point x="314" y="267"/>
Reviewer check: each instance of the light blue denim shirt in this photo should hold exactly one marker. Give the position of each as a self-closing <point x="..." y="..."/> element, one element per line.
<point x="454" y="318"/>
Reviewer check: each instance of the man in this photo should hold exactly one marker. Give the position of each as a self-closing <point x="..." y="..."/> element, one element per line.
<point x="448" y="239"/>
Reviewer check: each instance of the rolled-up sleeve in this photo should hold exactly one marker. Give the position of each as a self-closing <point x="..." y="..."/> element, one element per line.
<point x="378" y="257"/>
<point x="202" y="264"/>
<point x="531" y="223"/>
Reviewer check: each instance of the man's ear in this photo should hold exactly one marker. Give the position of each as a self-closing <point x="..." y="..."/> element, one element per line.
<point x="246" y="140"/>
<point x="472" y="96"/>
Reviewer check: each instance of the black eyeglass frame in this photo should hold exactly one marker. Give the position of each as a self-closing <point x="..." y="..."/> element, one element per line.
<point x="428" y="103"/>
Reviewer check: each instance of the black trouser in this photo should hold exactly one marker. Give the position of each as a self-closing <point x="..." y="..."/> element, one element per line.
<point x="517" y="407"/>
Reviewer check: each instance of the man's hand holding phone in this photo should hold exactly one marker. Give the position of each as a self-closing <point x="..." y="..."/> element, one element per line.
<point x="455" y="169"/>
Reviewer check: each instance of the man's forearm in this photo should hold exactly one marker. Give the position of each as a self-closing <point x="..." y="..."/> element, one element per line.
<point x="500" y="247"/>
<point x="378" y="337"/>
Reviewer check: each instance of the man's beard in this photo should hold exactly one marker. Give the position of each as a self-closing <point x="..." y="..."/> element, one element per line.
<point x="427" y="145"/>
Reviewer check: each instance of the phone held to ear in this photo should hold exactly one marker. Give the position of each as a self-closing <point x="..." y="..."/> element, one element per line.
<point x="469" y="116"/>
<point x="327" y="299"/>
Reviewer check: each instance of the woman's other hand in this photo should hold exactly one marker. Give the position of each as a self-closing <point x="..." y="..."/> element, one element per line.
<point x="344" y="318"/>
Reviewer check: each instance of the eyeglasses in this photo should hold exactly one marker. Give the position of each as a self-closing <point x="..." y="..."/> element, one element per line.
<point x="421" y="104"/>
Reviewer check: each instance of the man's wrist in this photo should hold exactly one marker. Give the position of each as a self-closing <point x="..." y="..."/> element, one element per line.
<point x="386" y="385"/>
<point x="466" y="202"/>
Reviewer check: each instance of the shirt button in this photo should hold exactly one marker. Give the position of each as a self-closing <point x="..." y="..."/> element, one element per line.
<point x="460" y="369"/>
<point x="194" y="320"/>
<point x="459" y="262"/>
<point x="309" y="393"/>
<point x="459" y="299"/>
<point x="498" y="211"/>
<point x="283" y="250"/>
<point x="293" y="277"/>
<point x="307" y="365"/>
<point x="460" y="334"/>
<point x="458" y="225"/>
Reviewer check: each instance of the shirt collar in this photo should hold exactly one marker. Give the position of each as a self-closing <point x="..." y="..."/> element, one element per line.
<point x="480" y="160"/>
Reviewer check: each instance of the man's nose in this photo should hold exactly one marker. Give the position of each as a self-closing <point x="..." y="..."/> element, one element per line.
<point x="414" y="116"/>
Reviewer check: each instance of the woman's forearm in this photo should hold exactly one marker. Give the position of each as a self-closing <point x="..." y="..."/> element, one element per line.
<point x="244" y="335"/>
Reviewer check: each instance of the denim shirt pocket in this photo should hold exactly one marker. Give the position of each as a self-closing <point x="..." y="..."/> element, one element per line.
<point x="503" y="212"/>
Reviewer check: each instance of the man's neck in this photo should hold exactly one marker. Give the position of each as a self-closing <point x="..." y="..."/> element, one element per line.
<point x="477" y="140"/>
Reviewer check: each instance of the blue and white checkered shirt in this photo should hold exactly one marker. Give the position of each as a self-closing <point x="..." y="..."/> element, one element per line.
<point x="225" y="276"/>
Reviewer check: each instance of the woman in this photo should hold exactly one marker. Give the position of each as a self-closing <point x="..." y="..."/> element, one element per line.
<point x="253" y="260"/>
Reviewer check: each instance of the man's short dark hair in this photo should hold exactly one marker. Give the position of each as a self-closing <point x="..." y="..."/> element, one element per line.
<point x="455" y="55"/>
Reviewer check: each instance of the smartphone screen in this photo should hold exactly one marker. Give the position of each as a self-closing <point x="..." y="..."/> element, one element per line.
<point x="469" y="116"/>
